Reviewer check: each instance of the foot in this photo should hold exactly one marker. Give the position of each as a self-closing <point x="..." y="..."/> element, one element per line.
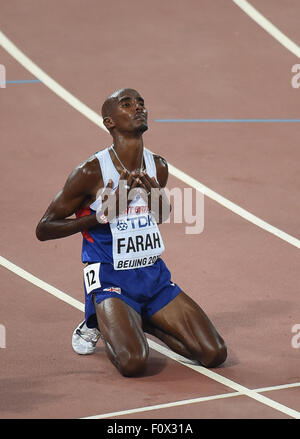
<point x="84" y="339"/>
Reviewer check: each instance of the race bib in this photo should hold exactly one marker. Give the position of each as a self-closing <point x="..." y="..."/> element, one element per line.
<point x="91" y="275"/>
<point x="137" y="241"/>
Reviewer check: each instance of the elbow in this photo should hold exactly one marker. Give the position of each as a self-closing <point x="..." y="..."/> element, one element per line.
<point x="39" y="232"/>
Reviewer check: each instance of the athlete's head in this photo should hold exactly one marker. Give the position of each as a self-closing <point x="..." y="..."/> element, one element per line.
<point x="124" y="112"/>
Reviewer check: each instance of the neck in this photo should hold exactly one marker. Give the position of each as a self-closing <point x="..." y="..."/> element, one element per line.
<point x="129" y="150"/>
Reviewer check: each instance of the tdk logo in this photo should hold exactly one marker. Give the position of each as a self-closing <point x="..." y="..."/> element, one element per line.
<point x="135" y="222"/>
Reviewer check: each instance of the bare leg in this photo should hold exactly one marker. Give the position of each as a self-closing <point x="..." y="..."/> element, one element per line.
<point x="187" y="330"/>
<point x="125" y="341"/>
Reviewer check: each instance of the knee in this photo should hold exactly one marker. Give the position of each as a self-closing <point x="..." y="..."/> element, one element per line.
<point x="132" y="364"/>
<point x="215" y="355"/>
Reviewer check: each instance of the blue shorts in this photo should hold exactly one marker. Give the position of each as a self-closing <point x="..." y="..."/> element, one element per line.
<point x="145" y="289"/>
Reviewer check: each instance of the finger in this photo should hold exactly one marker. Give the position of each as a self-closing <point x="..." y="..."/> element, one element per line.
<point x="131" y="178"/>
<point x="109" y="184"/>
<point x="146" y="183"/>
<point x="152" y="181"/>
<point x="135" y="183"/>
<point x="145" y="180"/>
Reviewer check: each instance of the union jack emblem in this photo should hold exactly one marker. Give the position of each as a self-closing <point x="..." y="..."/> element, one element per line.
<point x="113" y="290"/>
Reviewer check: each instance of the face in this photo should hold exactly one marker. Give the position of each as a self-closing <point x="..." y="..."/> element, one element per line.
<point x="128" y="112"/>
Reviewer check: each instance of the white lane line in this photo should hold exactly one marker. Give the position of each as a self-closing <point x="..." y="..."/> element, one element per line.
<point x="233" y="207"/>
<point x="60" y="91"/>
<point x="225" y="381"/>
<point x="26" y="62"/>
<point x="94" y="117"/>
<point x="157" y="347"/>
<point x="281" y="387"/>
<point x="268" y="26"/>
<point x="162" y="406"/>
<point x="41" y="284"/>
<point x="186" y="402"/>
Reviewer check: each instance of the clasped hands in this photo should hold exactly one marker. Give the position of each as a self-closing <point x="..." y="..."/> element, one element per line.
<point x="131" y="184"/>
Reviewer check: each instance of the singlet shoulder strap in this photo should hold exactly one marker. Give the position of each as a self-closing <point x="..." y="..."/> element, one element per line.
<point x="108" y="169"/>
<point x="108" y="172"/>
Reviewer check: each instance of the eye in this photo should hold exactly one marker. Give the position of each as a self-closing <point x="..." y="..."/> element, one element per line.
<point x="126" y="104"/>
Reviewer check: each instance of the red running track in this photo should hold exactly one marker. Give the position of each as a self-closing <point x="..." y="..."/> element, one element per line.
<point x="190" y="60"/>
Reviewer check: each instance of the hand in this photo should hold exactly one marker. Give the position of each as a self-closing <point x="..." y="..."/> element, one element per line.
<point x="148" y="184"/>
<point x="116" y="203"/>
<point x="158" y="202"/>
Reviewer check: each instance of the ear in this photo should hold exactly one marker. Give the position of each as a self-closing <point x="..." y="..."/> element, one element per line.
<point x="109" y="123"/>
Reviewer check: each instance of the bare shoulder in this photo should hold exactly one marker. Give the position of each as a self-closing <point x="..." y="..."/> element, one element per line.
<point x="90" y="168"/>
<point x="86" y="177"/>
<point x="161" y="169"/>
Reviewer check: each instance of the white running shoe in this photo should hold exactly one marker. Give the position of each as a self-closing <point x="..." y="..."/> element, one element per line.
<point x="84" y="339"/>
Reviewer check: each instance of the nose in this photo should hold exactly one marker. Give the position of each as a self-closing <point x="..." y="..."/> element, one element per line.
<point x="139" y="106"/>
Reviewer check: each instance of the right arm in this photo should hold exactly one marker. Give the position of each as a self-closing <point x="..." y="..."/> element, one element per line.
<point x="77" y="192"/>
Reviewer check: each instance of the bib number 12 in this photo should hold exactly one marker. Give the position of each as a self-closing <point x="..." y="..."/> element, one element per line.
<point x="91" y="277"/>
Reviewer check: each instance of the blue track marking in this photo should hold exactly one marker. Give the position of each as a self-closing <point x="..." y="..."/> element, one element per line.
<point x="22" y="81"/>
<point x="228" y="120"/>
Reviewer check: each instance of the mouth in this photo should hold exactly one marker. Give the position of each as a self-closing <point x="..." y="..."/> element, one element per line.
<point x="140" y="116"/>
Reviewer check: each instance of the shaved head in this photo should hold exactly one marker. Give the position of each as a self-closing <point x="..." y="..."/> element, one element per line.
<point x="108" y="105"/>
